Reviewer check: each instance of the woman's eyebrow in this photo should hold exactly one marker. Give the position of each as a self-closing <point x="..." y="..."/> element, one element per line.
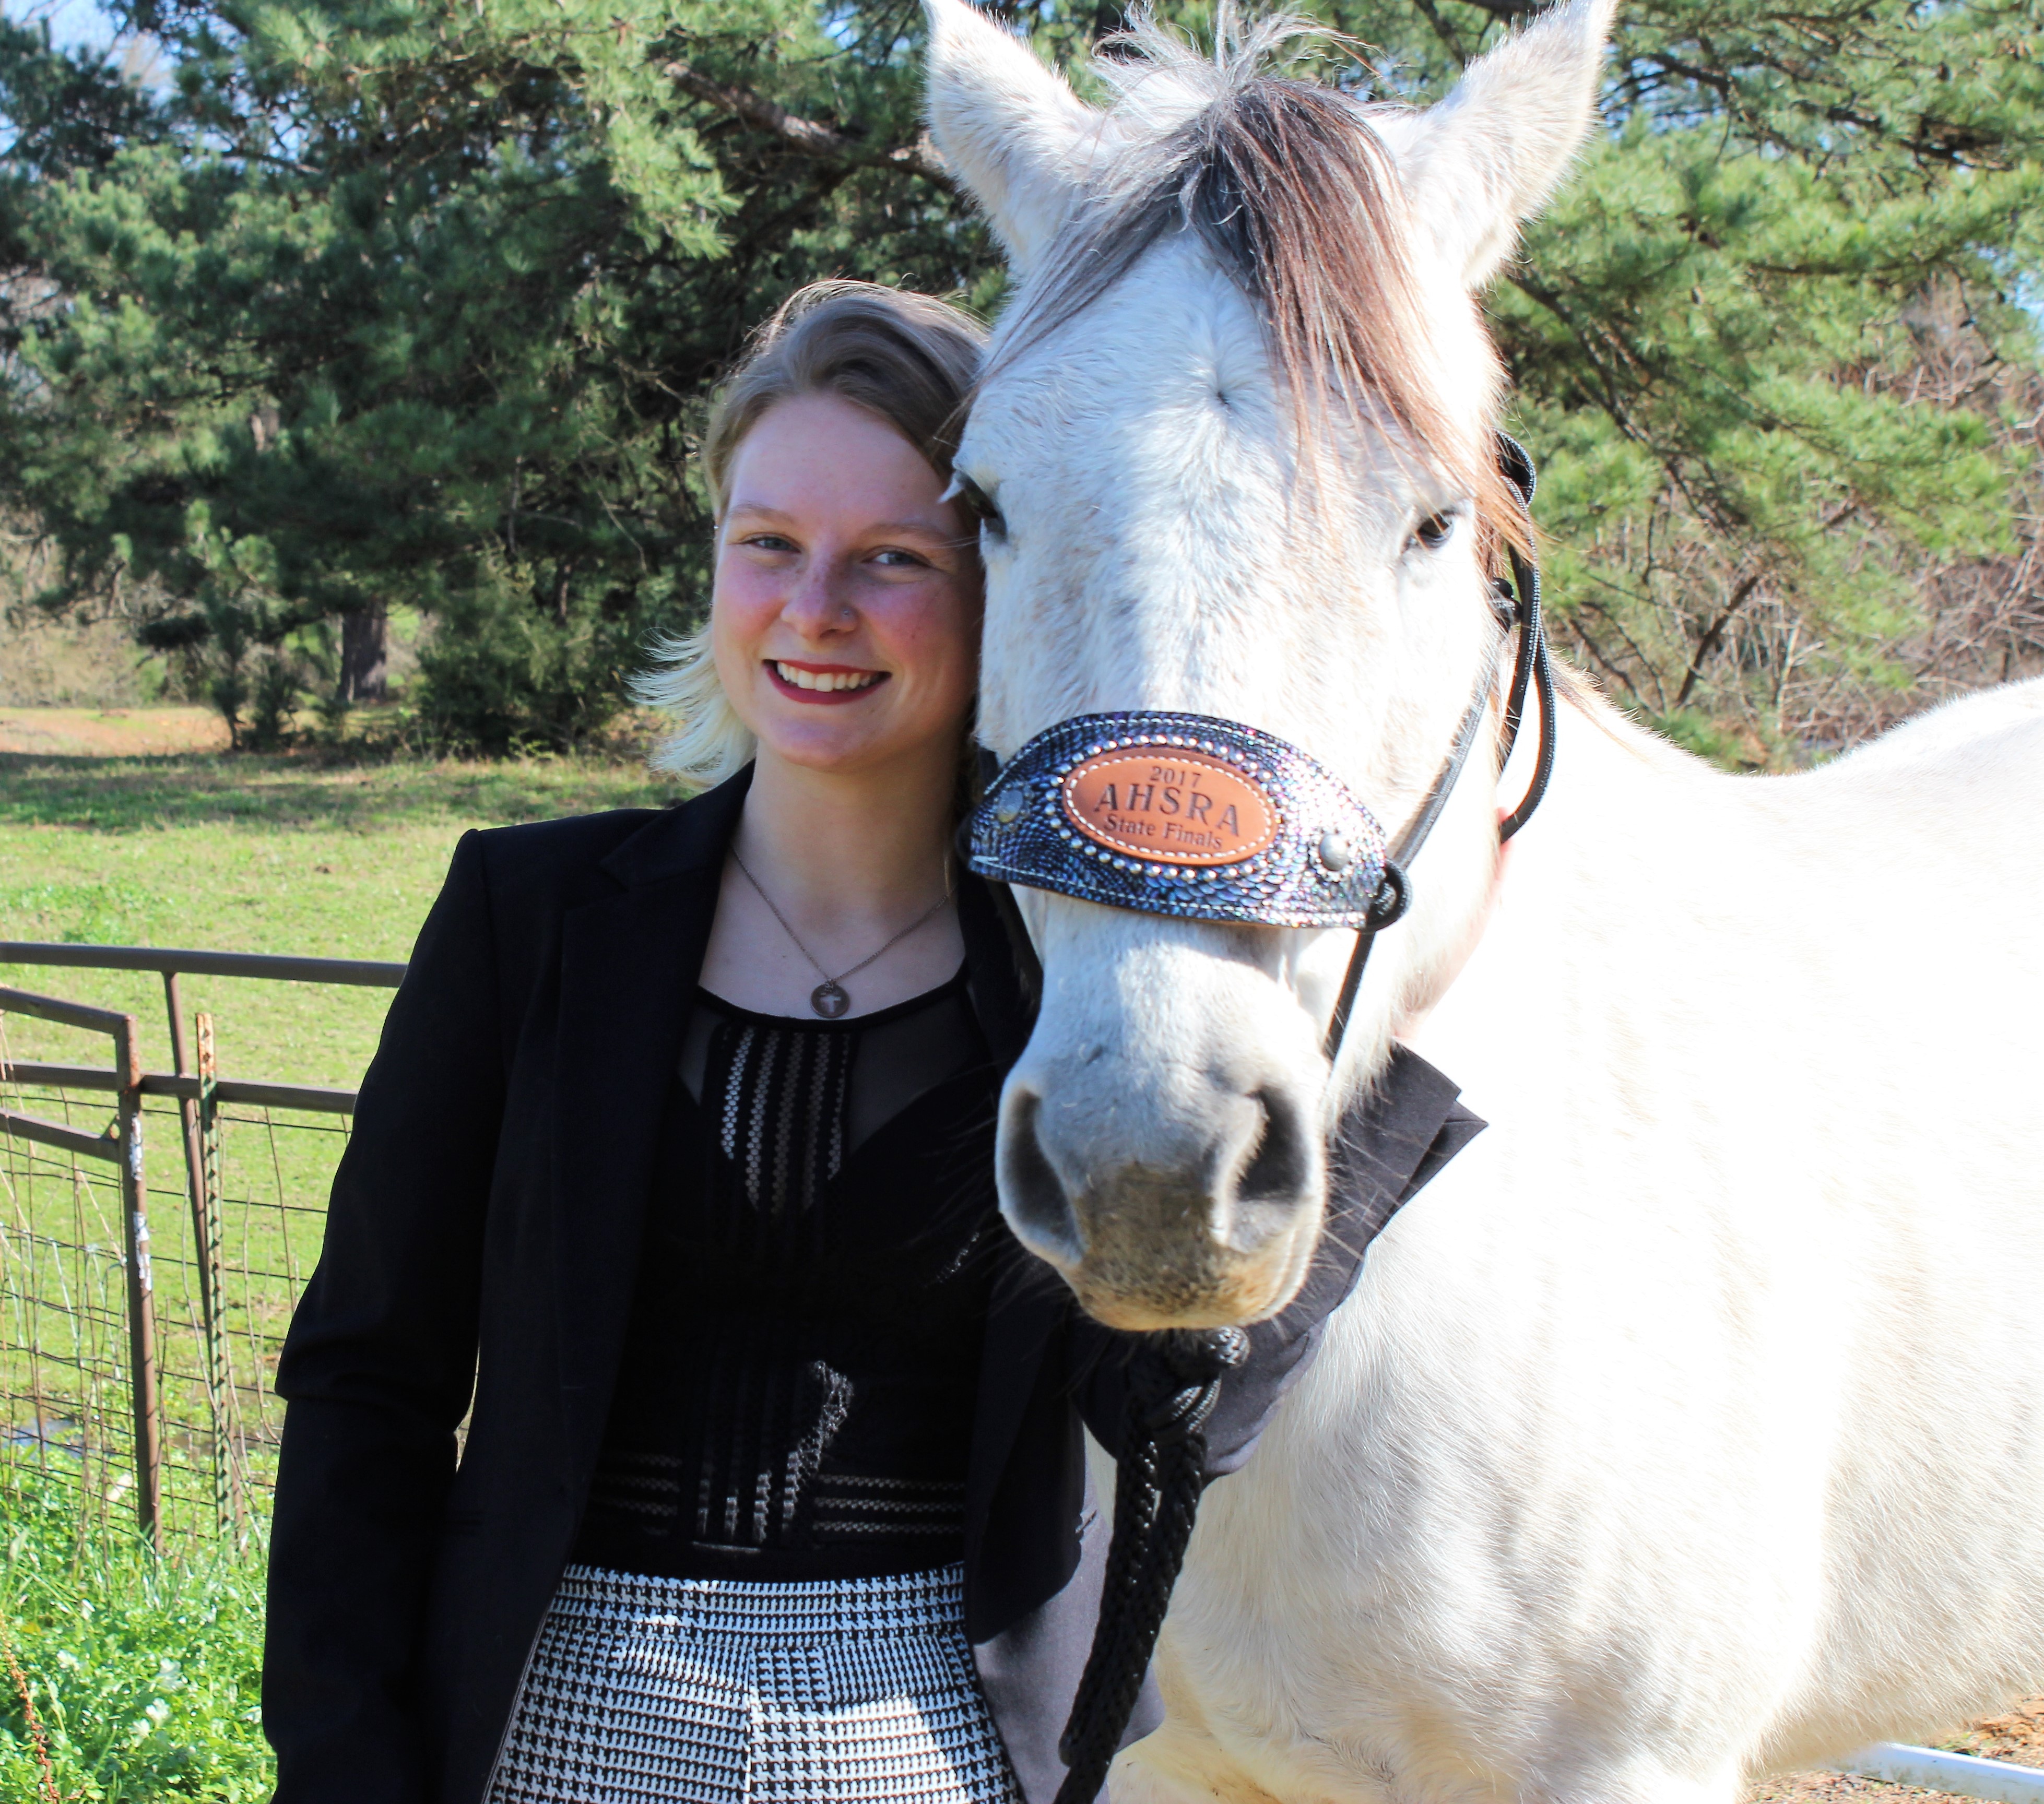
<point x="878" y="529"/>
<point x="908" y="528"/>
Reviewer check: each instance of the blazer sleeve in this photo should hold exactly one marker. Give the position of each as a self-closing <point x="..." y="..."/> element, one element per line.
<point x="1389" y="1148"/>
<point x="377" y="1373"/>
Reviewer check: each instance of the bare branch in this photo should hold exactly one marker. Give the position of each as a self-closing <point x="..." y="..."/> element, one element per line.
<point x="1708" y="642"/>
<point x="806" y="136"/>
<point x="1446" y="33"/>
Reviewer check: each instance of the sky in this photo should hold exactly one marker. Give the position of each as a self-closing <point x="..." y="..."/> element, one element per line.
<point x="73" y="23"/>
<point x="80" y="25"/>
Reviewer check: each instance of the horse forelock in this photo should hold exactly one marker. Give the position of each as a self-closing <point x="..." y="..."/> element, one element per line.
<point x="1299" y="201"/>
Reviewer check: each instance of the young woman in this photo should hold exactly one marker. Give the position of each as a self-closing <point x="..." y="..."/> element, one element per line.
<point x="675" y="1159"/>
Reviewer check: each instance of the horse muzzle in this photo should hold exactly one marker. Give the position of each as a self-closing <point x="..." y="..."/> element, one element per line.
<point x="1171" y="1171"/>
<point x="1164" y="1199"/>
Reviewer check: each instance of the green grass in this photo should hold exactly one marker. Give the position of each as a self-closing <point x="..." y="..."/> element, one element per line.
<point x="145" y="1674"/>
<point x="251" y="854"/>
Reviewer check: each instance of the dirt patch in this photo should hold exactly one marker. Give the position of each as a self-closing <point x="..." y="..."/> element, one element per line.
<point x="2016" y="1734"/>
<point x="116" y="732"/>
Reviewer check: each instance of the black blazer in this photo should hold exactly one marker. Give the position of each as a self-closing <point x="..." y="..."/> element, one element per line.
<point x="482" y="1240"/>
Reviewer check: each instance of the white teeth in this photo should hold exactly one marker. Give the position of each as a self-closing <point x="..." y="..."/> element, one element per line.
<point x="826" y="679"/>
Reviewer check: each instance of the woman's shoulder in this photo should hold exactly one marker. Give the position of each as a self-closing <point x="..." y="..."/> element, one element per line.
<point x="563" y="844"/>
<point x="580" y="856"/>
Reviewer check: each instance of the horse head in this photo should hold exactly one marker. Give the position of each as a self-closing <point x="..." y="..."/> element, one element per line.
<point x="1233" y="451"/>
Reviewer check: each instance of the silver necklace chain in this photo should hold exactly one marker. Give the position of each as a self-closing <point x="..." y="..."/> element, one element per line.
<point x="830" y="999"/>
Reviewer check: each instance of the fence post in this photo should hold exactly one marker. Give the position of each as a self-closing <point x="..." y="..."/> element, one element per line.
<point x="188" y="1120"/>
<point x="206" y="1240"/>
<point x="219" y="1371"/>
<point x="141" y="1289"/>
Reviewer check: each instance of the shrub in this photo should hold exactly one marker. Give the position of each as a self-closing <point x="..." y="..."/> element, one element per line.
<point x="499" y="674"/>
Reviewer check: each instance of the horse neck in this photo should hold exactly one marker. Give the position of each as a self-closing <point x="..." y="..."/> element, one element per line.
<point x="1613" y="889"/>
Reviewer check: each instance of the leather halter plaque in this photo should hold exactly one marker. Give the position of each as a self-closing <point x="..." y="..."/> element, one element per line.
<point x="1171" y="806"/>
<point x="1181" y="814"/>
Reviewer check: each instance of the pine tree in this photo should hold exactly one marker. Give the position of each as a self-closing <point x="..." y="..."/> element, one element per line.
<point x="417" y="303"/>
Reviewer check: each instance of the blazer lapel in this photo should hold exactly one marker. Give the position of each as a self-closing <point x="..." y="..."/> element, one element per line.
<point x="629" y="963"/>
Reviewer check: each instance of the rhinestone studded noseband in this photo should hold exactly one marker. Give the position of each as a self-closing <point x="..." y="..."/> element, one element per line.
<point x="1179" y="814"/>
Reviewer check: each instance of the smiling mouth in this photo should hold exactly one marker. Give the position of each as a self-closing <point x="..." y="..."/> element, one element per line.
<point x="826" y="681"/>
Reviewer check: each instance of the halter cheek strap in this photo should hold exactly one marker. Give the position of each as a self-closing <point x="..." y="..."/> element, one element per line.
<point x="1518" y="604"/>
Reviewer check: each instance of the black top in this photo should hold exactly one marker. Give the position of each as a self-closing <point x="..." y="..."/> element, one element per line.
<point x="795" y="1399"/>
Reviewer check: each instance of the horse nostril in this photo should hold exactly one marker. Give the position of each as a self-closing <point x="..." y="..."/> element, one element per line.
<point x="1033" y="1195"/>
<point x="1281" y="1169"/>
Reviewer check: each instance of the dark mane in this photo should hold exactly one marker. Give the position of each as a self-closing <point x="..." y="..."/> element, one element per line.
<point x="1297" y="198"/>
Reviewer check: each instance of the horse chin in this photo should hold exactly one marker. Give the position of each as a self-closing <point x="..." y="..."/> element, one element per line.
<point x="1141" y="1270"/>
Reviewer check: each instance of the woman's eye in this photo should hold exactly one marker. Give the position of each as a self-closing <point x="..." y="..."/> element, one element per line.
<point x="980" y="505"/>
<point x="1434" y="531"/>
<point x="768" y="541"/>
<point x="897" y="560"/>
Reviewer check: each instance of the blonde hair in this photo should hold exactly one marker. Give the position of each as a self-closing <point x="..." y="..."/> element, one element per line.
<point x="909" y="358"/>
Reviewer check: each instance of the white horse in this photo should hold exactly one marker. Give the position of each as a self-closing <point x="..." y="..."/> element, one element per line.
<point x="1691" y="1426"/>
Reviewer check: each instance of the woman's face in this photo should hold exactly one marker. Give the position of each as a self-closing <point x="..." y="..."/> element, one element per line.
<point x="845" y="617"/>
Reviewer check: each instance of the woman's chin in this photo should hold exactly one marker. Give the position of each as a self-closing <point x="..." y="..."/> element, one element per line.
<point x="835" y="746"/>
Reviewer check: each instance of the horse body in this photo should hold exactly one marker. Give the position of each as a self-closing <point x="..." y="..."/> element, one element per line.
<point x="1687" y="1428"/>
<point x="1691" y="1424"/>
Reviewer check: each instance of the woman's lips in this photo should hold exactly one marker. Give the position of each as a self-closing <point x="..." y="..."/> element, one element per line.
<point x="825" y="685"/>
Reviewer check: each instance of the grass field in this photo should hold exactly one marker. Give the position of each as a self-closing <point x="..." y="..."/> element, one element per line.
<point x="247" y="854"/>
<point x="143" y="1677"/>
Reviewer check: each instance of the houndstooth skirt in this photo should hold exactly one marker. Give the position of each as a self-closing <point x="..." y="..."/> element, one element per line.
<point x="648" y="1690"/>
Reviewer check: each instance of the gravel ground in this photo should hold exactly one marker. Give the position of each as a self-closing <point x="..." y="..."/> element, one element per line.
<point x="2016" y="1734"/>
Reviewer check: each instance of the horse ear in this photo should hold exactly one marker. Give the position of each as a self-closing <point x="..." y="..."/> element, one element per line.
<point x="1490" y="156"/>
<point x="1007" y="124"/>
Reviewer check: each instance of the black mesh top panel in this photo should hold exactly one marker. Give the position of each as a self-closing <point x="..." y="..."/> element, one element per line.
<point x="797" y="1392"/>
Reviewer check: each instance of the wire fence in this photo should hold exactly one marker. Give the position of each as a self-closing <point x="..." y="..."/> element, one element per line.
<point x="155" y="1231"/>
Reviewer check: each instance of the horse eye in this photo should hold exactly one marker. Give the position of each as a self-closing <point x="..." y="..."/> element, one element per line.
<point x="980" y="505"/>
<point x="1434" y="530"/>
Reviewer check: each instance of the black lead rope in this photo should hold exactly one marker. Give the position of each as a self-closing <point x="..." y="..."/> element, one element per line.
<point x="1174" y="1377"/>
<point x="1173" y="1382"/>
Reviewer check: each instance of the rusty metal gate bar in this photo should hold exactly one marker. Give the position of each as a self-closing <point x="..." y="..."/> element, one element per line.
<point x="205" y="1222"/>
<point x="141" y="1291"/>
<point x="199" y="1094"/>
<point x="282" y="968"/>
<point x="207" y="1247"/>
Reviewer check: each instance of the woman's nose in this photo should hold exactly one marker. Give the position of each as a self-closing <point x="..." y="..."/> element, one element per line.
<point x="820" y="603"/>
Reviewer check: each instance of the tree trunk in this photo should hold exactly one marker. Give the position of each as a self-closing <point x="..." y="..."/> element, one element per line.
<point x="365" y="654"/>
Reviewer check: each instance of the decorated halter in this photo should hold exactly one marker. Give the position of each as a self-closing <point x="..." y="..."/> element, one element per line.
<point x="1208" y="820"/>
<point x="1181" y="814"/>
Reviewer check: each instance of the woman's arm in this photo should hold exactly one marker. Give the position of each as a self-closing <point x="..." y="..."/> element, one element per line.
<point x="378" y="1370"/>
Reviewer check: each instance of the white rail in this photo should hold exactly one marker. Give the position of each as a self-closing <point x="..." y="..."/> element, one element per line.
<point x="1934" y="1770"/>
